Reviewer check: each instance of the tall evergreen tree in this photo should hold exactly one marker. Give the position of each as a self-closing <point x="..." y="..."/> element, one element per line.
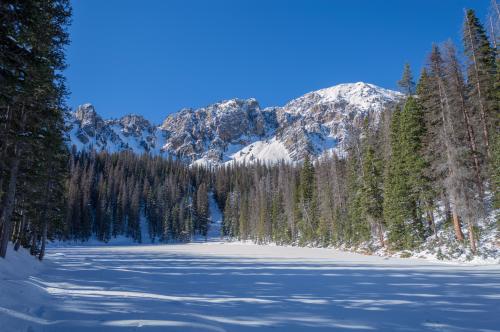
<point x="481" y="73"/>
<point x="448" y="150"/>
<point x="458" y="100"/>
<point x="402" y="184"/>
<point x="357" y="229"/>
<point x="308" y="200"/>
<point x="32" y="39"/>
<point x="407" y="84"/>
<point x="372" y="191"/>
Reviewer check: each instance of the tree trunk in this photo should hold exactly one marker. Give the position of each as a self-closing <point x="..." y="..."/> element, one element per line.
<point x="22" y="230"/>
<point x="3" y="155"/>
<point x="472" y="238"/>
<point x="471" y="137"/>
<point x="431" y="221"/>
<point x="380" y="233"/>
<point x="457" y="227"/>
<point x="33" y="243"/>
<point x="8" y="207"/>
<point x="447" y="208"/>
<point x="10" y="195"/>
<point x="492" y="32"/>
<point x="450" y="161"/>
<point x="44" y="239"/>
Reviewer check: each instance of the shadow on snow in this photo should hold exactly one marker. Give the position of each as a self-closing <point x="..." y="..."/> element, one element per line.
<point x="117" y="291"/>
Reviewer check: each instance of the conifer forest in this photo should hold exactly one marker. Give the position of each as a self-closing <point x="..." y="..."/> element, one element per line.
<point x="421" y="176"/>
<point x="437" y="151"/>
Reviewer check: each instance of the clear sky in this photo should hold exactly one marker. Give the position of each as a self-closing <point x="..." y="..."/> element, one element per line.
<point x="154" y="57"/>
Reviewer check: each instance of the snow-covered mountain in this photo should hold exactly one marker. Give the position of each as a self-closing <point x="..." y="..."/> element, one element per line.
<point x="317" y="123"/>
<point x="88" y="130"/>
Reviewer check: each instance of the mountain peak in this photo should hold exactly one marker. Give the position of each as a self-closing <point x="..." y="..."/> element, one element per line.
<point x="363" y="95"/>
<point x="316" y="123"/>
<point x="87" y="116"/>
<point x="85" y="110"/>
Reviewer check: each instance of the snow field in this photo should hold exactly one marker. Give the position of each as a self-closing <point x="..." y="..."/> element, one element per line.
<point x="217" y="286"/>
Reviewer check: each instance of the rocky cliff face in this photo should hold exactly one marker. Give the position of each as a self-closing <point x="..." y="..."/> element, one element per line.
<point x="87" y="130"/>
<point x="206" y="133"/>
<point x="317" y="123"/>
<point x="321" y="121"/>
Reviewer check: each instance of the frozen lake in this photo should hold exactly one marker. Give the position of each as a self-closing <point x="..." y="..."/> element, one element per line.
<point x="219" y="286"/>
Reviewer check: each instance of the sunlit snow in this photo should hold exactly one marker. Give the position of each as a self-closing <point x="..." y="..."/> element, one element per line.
<point x="218" y="286"/>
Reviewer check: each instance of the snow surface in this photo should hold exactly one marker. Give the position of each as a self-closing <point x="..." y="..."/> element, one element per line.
<point x="20" y="297"/>
<point x="214" y="229"/>
<point x="217" y="286"/>
<point x="269" y="151"/>
<point x="364" y="96"/>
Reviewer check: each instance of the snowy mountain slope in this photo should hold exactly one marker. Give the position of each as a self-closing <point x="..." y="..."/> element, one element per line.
<point x="131" y="132"/>
<point x="316" y="123"/>
<point x="271" y="150"/>
<point x="207" y="134"/>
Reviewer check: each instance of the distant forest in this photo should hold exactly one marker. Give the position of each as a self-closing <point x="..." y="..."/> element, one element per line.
<point x="435" y="155"/>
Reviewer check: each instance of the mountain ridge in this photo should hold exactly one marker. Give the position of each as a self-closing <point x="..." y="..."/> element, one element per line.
<point x="316" y="123"/>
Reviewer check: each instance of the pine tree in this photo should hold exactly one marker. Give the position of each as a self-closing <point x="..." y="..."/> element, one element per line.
<point x="458" y="100"/>
<point x="202" y="208"/>
<point x="243" y="218"/>
<point x="405" y="179"/>
<point x="430" y="189"/>
<point x="413" y="131"/>
<point x="228" y="219"/>
<point x="280" y="231"/>
<point x="481" y="73"/>
<point x="395" y="188"/>
<point x="358" y="229"/>
<point x="32" y="39"/>
<point x="407" y="84"/>
<point x="371" y="191"/>
<point x="307" y="201"/>
<point x="447" y="148"/>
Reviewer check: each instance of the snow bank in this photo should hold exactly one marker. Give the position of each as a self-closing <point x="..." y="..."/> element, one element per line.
<point x="18" y="264"/>
<point x="18" y="291"/>
<point x="443" y="247"/>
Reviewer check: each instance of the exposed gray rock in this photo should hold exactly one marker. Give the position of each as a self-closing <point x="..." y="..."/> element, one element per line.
<point x="316" y="123"/>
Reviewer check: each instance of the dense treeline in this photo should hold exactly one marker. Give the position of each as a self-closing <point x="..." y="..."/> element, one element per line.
<point x="126" y="194"/>
<point x="437" y="149"/>
<point x="33" y="153"/>
<point x="434" y="155"/>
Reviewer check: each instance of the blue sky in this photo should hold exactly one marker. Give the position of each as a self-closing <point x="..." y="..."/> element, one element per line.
<point x="154" y="57"/>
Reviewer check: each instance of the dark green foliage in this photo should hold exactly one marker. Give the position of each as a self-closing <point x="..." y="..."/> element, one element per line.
<point x="126" y="194"/>
<point x="405" y="180"/>
<point x="481" y="70"/>
<point x="32" y="91"/>
<point x="357" y="229"/>
<point x="372" y="188"/>
<point x="307" y="202"/>
<point x="439" y="147"/>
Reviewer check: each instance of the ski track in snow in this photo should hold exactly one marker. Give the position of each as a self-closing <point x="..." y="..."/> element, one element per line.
<point x="223" y="286"/>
